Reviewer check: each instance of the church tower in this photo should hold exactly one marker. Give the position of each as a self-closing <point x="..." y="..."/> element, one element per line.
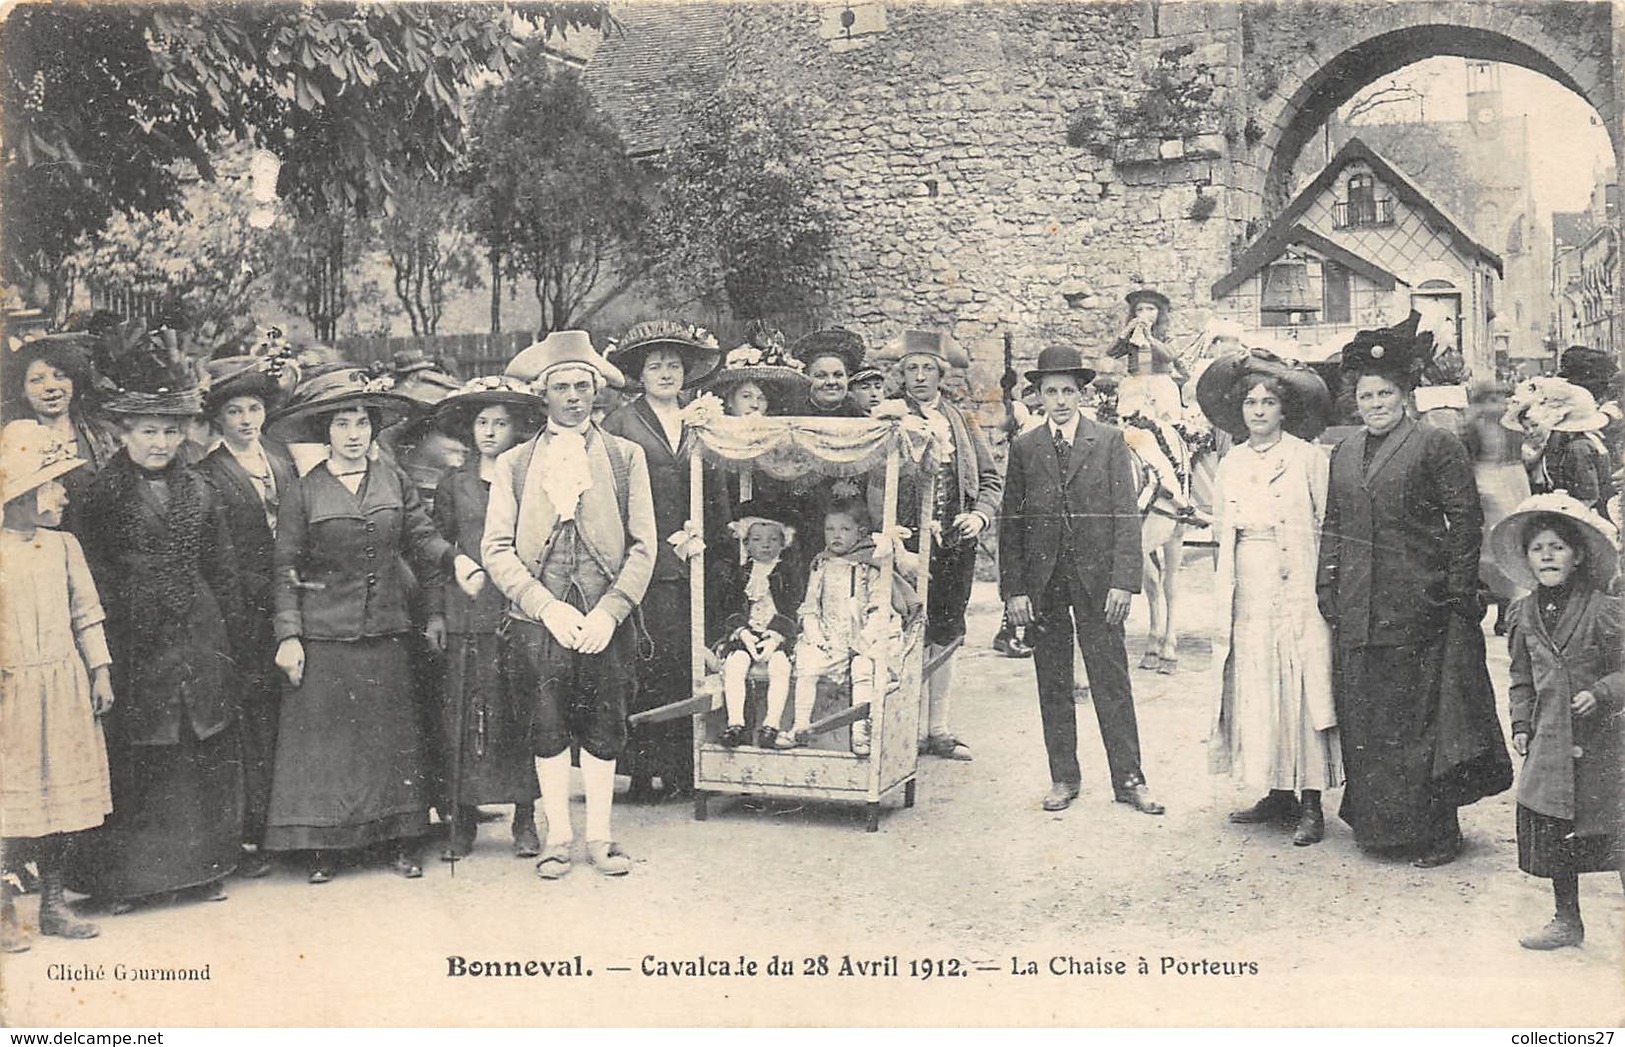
<point x="1484" y="98"/>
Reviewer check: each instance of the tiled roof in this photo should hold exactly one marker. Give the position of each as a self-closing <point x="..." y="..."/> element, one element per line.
<point x="662" y="58"/>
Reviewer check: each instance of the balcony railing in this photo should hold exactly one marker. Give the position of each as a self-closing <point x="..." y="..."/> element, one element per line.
<point x="1352" y="214"/>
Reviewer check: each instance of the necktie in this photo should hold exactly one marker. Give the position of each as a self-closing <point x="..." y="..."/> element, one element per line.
<point x="1063" y="451"/>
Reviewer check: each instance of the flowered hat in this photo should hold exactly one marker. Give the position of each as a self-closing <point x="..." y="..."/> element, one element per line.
<point x="1556" y="404"/>
<point x="1508" y="538"/>
<point x="270" y="376"/>
<point x="455" y="414"/>
<point x="1306" y="406"/>
<point x="561" y="349"/>
<point x="697" y="346"/>
<point x="31" y="455"/>
<point x="765" y="361"/>
<point x="301" y="419"/>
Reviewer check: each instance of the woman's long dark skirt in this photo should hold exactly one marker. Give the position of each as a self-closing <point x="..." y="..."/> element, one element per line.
<point x="1547" y="847"/>
<point x="1387" y="703"/>
<point x="494" y="759"/>
<point x="349" y="762"/>
<point x="177" y="818"/>
<point x="664" y="750"/>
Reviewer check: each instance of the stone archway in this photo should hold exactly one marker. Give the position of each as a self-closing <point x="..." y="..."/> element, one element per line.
<point x="1342" y="49"/>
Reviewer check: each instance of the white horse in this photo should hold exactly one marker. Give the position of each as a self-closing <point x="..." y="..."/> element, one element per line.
<point x="1163" y="468"/>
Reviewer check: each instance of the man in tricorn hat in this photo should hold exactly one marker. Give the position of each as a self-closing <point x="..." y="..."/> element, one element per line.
<point x="570" y="541"/>
<point x="1069" y="552"/>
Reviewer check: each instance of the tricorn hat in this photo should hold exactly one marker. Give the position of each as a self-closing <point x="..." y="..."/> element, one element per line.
<point x="1061" y="359"/>
<point x="1600" y="538"/>
<point x="560" y="349"/>
<point x="316" y="398"/>
<point x="1306" y="403"/>
<point x="697" y="346"/>
<point x="939" y="344"/>
<point x="753" y="511"/>
<point x="31" y="455"/>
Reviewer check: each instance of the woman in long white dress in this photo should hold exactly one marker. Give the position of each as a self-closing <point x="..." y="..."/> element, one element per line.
<point x="1275" y="727"/>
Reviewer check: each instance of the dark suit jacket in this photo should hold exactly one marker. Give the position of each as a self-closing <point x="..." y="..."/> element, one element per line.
<point x="1088" y="514"/>
<point x="251" y="537"/>
<point x="1401" y="537"/>
<point x="668" y="480"/>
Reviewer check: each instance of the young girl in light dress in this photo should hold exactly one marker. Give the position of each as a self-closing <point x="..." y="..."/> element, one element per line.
<point x="54" y="681"/>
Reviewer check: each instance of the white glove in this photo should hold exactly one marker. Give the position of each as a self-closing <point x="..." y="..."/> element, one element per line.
<point x="564" y="622"/>
<point x="470" y="576"/>
<point x="597" y="629"/>
<point x="290" y="658"/>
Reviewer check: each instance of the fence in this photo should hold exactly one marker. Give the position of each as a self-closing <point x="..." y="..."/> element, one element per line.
<point x="475" y="354"/>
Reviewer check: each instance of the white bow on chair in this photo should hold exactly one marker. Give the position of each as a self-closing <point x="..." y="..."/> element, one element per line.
<point x="687" y="543"/>
<point x="888" y="543"/>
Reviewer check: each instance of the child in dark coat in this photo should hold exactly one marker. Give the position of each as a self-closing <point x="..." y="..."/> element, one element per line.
<point x="756" y="597"/>
<point x="1567" y="695"/>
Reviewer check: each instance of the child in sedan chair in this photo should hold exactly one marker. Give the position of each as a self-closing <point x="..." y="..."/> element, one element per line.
<point x="843" y="625"/>
<point x="757" y="595"/>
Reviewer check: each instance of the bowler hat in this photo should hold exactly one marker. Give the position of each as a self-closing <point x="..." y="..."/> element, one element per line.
<point x="1061" y="359"/>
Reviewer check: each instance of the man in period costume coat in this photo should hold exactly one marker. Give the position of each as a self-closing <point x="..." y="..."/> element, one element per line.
<point x="967" y="499"/>
<point x="1069" y="552"/>
<point x="570" y="541"/>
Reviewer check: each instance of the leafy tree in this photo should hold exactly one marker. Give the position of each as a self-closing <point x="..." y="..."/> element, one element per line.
<point x="735" y="216"/>
<point x="313" y="256"/>
<point x="101" y="101"/>
<point x="430" y="250"/>
<point x="555" y="198"/>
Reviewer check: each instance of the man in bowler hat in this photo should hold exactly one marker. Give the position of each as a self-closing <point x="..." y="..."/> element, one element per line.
<point x="1069" y="554"/>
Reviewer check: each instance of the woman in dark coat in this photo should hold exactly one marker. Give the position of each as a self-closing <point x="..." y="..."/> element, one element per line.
<point x="250" y="475"/>
<point x="488" y="760"/>
<point x="350" y="752"/>
<point x="665" y="358"/>
<point x="1398" y="581"/>
<point x="155" y="536"/>
<point x="831" y="357"/>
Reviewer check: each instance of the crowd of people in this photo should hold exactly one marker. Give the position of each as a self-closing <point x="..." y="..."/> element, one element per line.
<point x="272" y="603"/>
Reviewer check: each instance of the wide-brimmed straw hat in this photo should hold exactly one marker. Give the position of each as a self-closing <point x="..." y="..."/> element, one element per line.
<point x="1306" y="406"/>
<point x="697" y="347"/>
<point x="780" y="375"/>
<point x="31" y="455"/>
<point x="1508" y="537"/>
<point x="1559" y="405"/>
<point x="455" y="414"/>
<point x="561" y="349"/>
<point x="317" y="398"/>
<point x="271" y="378"/>
<point x="1061" y="359"/>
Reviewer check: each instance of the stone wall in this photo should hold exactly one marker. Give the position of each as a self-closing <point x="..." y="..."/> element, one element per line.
<point x="960" y="204"/>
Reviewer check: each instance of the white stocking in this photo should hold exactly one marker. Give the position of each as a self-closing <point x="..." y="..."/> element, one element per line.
<point x="553" y="774"/>
<point x="778" y="687"/>
<point x="734" y="670"/>
<point x="806" y="698"/>
<point x="598" y="780"/>
<point x="942" y="682"/>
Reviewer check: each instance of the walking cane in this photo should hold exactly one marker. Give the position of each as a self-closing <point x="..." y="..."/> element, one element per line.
<point x="455" y="800"/>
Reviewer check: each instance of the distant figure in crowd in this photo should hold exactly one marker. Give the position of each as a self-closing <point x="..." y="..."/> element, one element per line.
<point x="1069" y="552"/>
<point x="1275" y="724"/>
<point x="1567" y="693"/>
<point x="1563" y="449"/>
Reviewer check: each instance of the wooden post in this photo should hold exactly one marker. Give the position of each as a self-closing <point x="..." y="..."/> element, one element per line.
<point x="696" y="593"/>
<point x="888" y="524"/>
<point x="928" y="498"/>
